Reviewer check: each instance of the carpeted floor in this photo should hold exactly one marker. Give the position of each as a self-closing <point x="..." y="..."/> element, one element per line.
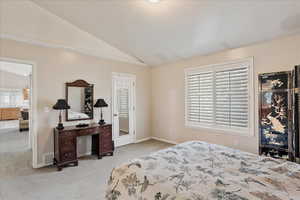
<point x="85" y="182"/>
<point x="15" y="156"/>
<point x="11" y="140"/>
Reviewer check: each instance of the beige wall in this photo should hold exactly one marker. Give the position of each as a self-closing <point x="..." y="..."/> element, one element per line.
<point x="161" y="88"/>
<point x="168" y="91"/>
<point x="55" y="67"/>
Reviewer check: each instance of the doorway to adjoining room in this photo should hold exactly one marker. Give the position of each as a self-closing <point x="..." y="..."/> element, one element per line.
<point x="15" y="114"/>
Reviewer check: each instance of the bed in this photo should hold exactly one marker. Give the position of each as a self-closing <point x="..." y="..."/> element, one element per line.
<point x="202" y="171"/>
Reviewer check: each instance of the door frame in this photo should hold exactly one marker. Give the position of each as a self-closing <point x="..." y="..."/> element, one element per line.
<point x="33" y="108"/>
<point x="133" y="79"/>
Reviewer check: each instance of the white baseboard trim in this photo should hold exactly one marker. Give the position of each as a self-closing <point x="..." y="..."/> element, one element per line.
<point x="84" y="154"/>
<point x="40" y="165"/>
<point x="164" y="140"/>
<point x="143" y="140"/>
<point x="156" y="138"/>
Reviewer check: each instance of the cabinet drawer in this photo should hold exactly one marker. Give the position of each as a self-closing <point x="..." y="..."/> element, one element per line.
<point x="67" y="156"/>
<point x="106" y="134"/>
<point x="106" y="138"/>
<point x="67" y="134"/>
<point x="87" y="131"/>
<point x="67" y="142"/>
<point x="106" y="147"/>
<point x="67" y="145"/>
<point x="106" y="129"/>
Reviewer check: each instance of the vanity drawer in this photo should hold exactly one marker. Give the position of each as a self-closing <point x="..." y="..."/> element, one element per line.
<point x="89" y="131"/>
<point x="67" y="144"/>
<point x="106" y="146"/>
<point x="68" y="156"/>
<point x="67" y="134"/>
<point x="106" y="137"/>
<point x="106" y="128"/>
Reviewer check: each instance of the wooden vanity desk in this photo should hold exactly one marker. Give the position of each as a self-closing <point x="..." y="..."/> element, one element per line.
<point x="65" y="143"/>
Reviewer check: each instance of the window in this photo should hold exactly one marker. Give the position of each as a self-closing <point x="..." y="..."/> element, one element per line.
<point x="219" y="96"/>
<point x="11" y="98"/>
<point x="123" y="102"/>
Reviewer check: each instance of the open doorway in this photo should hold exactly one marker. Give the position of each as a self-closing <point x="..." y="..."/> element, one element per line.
<point x="15" y="114"/>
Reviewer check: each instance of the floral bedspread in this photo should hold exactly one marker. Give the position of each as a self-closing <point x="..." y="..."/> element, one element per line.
<point x="201" y="171"/>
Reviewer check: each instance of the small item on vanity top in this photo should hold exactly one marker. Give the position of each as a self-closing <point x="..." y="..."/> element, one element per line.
<point x="82" y="125"/>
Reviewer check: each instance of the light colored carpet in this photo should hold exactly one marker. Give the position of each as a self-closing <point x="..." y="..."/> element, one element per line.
<point x="11" y="140"/>
<point x="85" y="182"/>
<point x="15" y="156"/>
<point x="9" y="124"/>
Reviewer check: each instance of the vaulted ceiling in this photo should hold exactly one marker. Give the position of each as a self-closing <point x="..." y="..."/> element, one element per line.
<point x="25" y="21"/>
<point x="170" y="30"/>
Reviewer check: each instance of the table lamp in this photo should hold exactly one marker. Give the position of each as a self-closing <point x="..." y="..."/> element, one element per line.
<point x="100" y="104"/>
<point x="60" y="105"/>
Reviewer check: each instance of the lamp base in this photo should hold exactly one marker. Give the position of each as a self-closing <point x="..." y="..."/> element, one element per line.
<point x="101" y="122"/>
<point x="60" y="126"/>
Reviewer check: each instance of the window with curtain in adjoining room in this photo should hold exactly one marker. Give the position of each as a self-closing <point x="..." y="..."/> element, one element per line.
<point x="220" y="96"/>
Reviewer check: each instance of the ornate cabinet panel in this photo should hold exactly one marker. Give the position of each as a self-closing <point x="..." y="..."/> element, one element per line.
<point x="296" y="109"/>
<point x="275" y="117"/>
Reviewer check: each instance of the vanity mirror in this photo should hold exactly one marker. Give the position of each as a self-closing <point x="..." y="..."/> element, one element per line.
<point x="80" y="95"/>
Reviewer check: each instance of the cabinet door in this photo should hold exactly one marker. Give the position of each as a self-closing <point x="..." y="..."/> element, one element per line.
<point x="67" y="147"/>
<point x="106" y="140"/>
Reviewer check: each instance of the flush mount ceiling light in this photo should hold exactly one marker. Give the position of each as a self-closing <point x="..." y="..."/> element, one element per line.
<point x="153" y="1"/>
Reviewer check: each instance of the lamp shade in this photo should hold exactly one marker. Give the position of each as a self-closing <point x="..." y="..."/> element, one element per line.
<point x="100" y="103"/>
<point x="61" y="104"/>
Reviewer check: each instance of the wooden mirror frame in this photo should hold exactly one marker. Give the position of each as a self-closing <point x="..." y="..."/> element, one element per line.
<point x="80" y="83"/>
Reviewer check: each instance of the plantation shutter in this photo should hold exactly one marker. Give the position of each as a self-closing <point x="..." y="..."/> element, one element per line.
<point x="231" y="99"/>
<point x="200" y="97"/>
<point x="123" y="103"/>
<point x="218" y="96"/>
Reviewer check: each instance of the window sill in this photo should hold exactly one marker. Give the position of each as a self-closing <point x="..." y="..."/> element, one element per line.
<point x="222" y="131"/>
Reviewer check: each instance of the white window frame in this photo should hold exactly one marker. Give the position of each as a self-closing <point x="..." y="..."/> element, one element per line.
<point x="225" y="65"/>
<point x="12" y="94"/>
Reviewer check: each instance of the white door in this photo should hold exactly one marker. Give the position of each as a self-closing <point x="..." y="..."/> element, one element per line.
<point x="123" y="109"/>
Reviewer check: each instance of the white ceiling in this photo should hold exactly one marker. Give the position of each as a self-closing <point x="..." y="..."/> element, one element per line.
<point x="158" y="33"/>
<point x="16" y="68"/>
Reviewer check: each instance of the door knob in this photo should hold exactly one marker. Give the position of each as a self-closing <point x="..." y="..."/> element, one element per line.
<point x="115" y="115"/>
